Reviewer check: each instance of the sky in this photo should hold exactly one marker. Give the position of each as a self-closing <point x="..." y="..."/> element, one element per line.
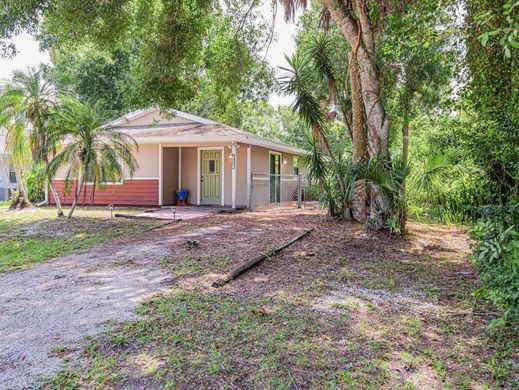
<point x="29" y="54"/>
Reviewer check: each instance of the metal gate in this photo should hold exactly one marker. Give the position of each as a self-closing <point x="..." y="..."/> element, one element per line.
<point x="267" y="189"/>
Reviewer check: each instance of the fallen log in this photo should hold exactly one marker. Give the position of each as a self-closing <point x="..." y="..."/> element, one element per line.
<point x="161" y="226"/>
<point x="257" y="259"/>
<point x="132" y="216"/>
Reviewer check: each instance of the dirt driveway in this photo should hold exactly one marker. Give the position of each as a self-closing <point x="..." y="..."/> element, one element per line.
<point x="49" y="309"/>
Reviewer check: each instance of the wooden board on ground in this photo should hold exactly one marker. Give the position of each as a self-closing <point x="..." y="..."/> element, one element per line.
<point x="257" y="259"/>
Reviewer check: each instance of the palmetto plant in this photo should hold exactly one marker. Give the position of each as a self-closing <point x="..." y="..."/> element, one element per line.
<point x="315" y="160"/>
<point x="384" y="177"/>
<point x="92" y="151"/>
<point x="387" y="179"/>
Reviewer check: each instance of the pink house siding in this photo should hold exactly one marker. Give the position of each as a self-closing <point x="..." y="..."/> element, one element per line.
<point x="131" y="193"/>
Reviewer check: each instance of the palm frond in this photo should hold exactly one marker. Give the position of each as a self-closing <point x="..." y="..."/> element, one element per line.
<point x="92" y="150"/>
<point x="291" y="7"/>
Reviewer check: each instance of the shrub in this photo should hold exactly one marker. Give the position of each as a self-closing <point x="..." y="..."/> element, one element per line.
<point x="496" y="256"/>
<point x="36" y="183"/>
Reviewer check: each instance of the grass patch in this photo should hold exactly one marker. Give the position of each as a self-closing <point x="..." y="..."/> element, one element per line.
<point x="36" y="235"/>
<point x="195" y="265"/>
<point x="342" y="309"/>
<point x="205" y="341"/>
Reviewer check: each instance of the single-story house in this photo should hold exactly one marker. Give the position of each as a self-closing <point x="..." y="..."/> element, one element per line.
<point x="214" y="162"/>
<point x="7" y="176"/>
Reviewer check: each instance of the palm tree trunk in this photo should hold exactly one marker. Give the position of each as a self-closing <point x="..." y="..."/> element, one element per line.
<point x="360" y="152"/>
<point x="77" y="193"/>
<point x="59" y="209"/>
<point x="21" y="201"/>
<point x="56" y="198"/>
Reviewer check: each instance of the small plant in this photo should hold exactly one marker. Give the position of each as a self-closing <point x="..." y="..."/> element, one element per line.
<point x="496" y="257"/>
<point x="393" y="225"/>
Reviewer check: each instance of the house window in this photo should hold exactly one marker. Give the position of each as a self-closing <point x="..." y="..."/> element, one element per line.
<point x="296" y="165"/>
<point x="212" y="166"/>
<point x="12" y="175"/>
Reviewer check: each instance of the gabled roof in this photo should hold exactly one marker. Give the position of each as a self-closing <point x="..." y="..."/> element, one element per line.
<point x="139" y="113"/>
<point x="194" y="129"/>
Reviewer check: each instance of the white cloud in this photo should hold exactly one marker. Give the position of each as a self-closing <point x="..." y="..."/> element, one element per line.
<point x="284" y="43"/>
<point x="28" y="54"/>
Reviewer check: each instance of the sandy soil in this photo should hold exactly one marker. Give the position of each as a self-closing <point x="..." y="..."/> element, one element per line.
<point x="54" y="305"/>
<point x="60" y="302"/>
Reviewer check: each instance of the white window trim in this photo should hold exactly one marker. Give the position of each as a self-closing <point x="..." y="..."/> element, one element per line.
<point x="108" y="183"/>
<point x="280" y="173"/>
<point x="199" y="173"/>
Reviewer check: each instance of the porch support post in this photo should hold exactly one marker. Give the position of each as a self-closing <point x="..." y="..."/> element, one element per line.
<point x="160" y="174"/>
<point x="179" y="168"/>
<point x="234" y="156"/>
<point x="249" y="175"/>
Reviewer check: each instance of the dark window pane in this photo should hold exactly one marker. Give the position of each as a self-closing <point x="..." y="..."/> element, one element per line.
<point x="212" y="166"/>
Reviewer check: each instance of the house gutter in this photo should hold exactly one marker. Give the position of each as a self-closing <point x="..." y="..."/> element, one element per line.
<point x="195" y="140"/>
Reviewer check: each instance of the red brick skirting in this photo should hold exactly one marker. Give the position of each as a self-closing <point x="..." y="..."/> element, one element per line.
<point x="131" y="193"/>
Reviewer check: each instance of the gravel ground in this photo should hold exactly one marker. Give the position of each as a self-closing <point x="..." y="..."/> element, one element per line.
<point x="54" y="305"/>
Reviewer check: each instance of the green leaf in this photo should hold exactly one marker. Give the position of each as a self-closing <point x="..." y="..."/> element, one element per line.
<point x="484" y="39"/>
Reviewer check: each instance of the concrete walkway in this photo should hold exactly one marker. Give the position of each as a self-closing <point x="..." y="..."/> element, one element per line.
<point x="179" y="212"/>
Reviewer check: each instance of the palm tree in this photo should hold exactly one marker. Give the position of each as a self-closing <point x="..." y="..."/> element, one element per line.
<point x="17" y="147"/>
<point x="30" y="98"/>
<point x="92" y="151"/>
<point x="297" y="81"/>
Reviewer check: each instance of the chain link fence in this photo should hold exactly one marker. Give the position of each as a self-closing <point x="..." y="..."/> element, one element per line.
<point x="285" y="189"/>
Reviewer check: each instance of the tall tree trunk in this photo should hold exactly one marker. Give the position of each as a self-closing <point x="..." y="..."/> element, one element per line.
<point x="405" y="136"/>
<point x="405" y="159"/>
<point x="77" y="193"/>
<point x="356" y="28"/>
<point x="360" y="152"/>
<point x="359" y="36"/>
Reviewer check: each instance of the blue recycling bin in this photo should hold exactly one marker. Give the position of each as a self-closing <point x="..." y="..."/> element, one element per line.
<point x="182" y="196"/>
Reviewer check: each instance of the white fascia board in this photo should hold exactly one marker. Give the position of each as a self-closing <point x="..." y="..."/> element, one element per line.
<point x="129" y="117"/>
<point x="195" y="140"/>
<point x="192" y="117"/>
<point x="137" y="114"/>
<point x="276" y="146"/>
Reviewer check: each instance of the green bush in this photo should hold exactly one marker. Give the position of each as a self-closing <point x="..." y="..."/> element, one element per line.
<point x="496" y="256"/>
<point x="36" y="183"/>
